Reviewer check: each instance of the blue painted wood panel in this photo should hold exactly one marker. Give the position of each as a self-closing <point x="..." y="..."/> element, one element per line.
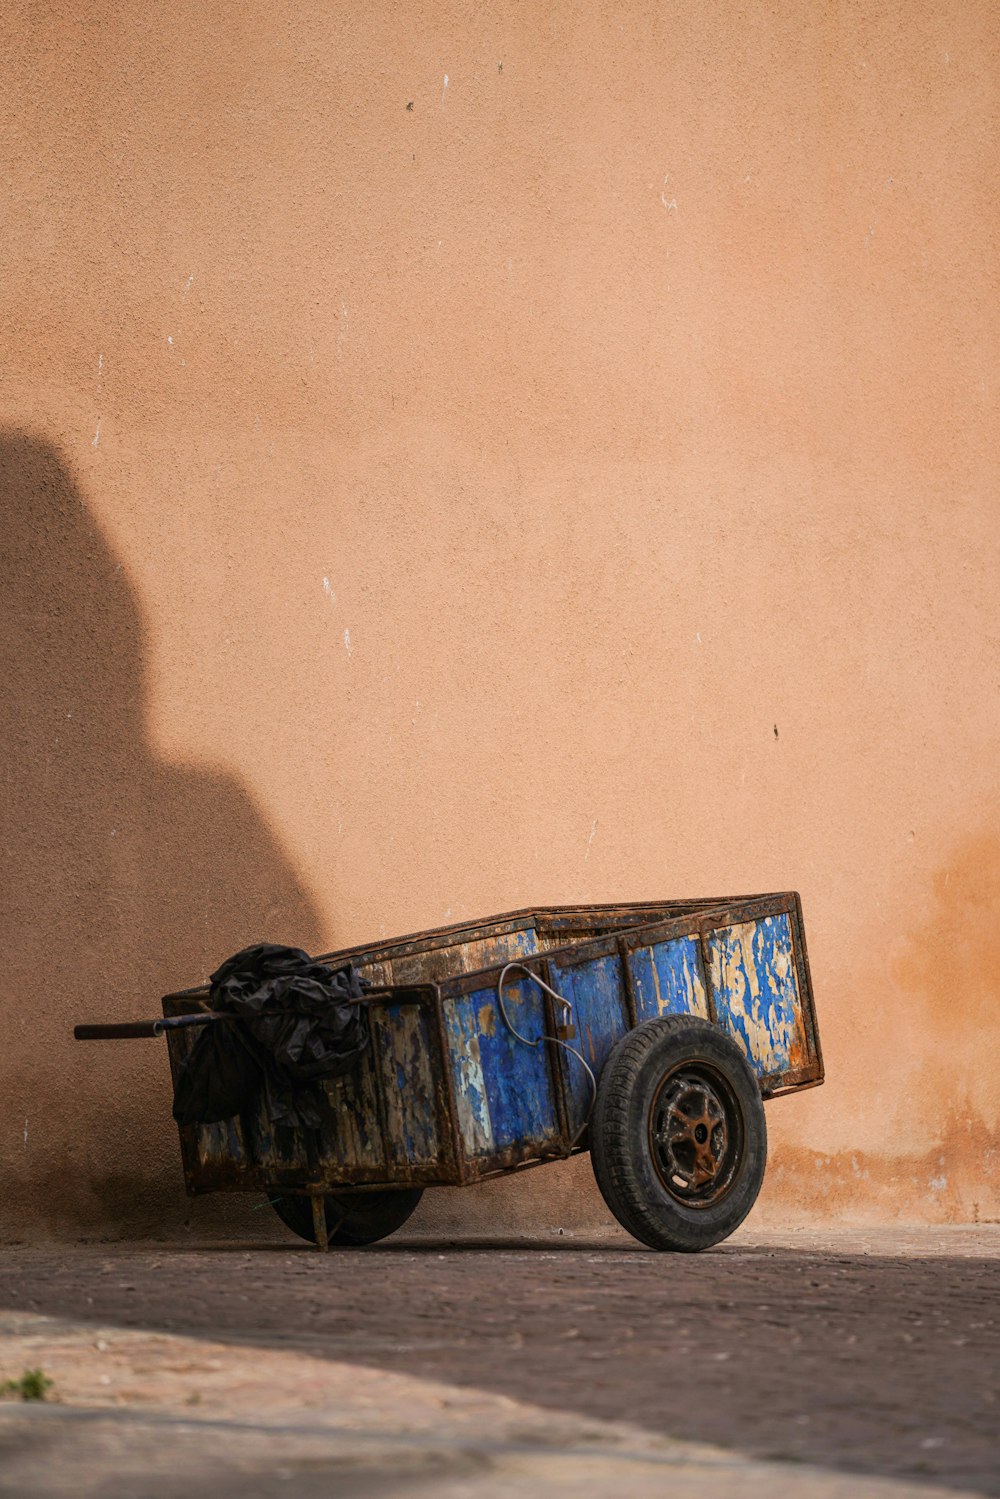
<point x="755" y="989"/>
<point x="668" y="979"/>
<point x="502" y="1086"/>
<point x="596" y="990"/>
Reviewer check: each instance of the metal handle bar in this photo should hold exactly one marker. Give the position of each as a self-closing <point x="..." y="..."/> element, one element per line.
<point x="131" y="1029"/>
<point x="134" y="1029"/>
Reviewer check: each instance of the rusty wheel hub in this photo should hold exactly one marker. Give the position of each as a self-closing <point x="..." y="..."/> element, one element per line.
<point x="692" y="1136"/>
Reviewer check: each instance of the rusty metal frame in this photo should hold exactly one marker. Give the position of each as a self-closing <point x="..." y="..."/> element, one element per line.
<point x="803" y="974"/>
<point x="552" y="1051"/>
<point x="448" y="1116"/>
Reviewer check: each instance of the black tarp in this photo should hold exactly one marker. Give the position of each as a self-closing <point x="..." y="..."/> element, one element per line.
<point x="295" y="1023"/>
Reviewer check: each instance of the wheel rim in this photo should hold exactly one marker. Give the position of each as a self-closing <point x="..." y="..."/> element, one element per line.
<point x="696" y="1134"/>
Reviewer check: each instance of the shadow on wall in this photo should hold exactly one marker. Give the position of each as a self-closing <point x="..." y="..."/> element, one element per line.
<point x="123" y="876"/>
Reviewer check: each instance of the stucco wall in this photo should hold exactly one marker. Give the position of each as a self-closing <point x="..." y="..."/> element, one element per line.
<point x="455" y="457"/>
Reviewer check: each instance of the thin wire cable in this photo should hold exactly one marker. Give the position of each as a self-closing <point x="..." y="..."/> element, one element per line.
<point x="567" y="1006"/>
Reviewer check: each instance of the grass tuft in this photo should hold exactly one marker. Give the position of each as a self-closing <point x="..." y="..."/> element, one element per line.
<point x="34" y="1384"/>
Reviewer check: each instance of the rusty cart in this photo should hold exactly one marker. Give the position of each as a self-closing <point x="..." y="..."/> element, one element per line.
<point x="649" y="1034"/>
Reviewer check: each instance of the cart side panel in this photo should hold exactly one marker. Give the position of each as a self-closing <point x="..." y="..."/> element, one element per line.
<point x="503" y="1090"/>
<point x="756" y="996"/>
<point x="249" y="1151"/>
<point x="403" y="1036"/>
<point x="350" y="1138"/>
<point x="212" y="1154"/>
<point x="595" y="987"/>
<point x="669" y="979"/>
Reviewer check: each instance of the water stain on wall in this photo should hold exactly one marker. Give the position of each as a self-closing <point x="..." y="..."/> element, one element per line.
<point x="956" y="1180"/>
<point x="951" y="964"/>
<point x="918" y="1071"/>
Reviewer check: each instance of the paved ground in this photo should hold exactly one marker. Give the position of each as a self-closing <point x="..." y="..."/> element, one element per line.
<point x="813" y="1366"/>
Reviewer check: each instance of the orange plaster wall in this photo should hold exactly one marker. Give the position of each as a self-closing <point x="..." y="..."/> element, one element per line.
<point x="580" y="485"/>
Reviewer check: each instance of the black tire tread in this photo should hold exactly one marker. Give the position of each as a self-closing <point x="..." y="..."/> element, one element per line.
<point x="612" y="1143"/>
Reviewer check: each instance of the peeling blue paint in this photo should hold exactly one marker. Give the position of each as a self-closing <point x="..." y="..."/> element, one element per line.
<point x="596" y="990"/>
<point x="755" y="990"/>
<point x="669" y="979"/>
<point x="504" y="1087"/>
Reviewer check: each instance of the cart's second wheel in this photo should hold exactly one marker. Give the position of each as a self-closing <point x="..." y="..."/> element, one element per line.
<point x="352" y="1218"/>
<point x="678" y="1139"/>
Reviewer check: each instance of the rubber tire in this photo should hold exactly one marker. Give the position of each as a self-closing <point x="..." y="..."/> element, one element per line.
<point x="370" y="1216"/>
<point x="619" y="1134"/>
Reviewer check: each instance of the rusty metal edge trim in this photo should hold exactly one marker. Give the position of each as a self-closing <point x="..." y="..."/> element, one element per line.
<point x="527" y="1164"/>
<point x="554" y="1054"/>
<point x="773" y="1085"/>
<point x="381" y="1105"/>
<point x="258" y="1181"/>
<point x="512" y="1157"/>
<point x="706" y="969"/>
<point x="622" y="917"/>
<point x="806" y="994"/>
<point x="629" y="979"/>
<point x="447" y="1096"/>
<point x="796" y="1087"/>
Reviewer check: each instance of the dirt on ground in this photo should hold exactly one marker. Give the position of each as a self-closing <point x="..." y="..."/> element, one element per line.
<point x="855" y="1354"/>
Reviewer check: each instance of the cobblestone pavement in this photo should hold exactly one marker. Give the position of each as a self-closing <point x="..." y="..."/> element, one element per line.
<point x="814" y="1365"/>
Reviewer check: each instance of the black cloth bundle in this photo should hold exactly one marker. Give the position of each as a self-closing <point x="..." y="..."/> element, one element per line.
<point x="295" y="1023"/>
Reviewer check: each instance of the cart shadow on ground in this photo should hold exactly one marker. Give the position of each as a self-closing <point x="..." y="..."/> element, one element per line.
<point x="859" y="1363"/>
